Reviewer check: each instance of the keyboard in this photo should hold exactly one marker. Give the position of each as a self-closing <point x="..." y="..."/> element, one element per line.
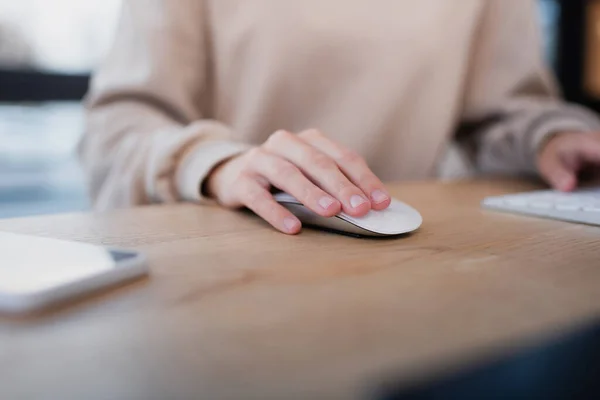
<point x="582" y="206"/>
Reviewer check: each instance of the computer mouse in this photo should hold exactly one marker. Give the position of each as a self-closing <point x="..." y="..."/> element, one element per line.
<point x="399" y="218"/>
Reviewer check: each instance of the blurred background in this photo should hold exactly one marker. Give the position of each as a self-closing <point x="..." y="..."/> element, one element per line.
<point x="47" y="50"/>
<point x="49" y="47"/>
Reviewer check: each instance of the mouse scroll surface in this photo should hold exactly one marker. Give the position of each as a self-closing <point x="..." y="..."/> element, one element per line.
<point x="399" y="218"/>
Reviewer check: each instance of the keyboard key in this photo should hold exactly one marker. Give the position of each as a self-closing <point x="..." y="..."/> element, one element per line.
<point x="541" y="204"/>
<point x="519" y="202"/>
<point x="568" y="207"/>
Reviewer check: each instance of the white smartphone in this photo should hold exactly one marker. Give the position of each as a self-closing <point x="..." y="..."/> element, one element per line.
<point x="37" y="272"/>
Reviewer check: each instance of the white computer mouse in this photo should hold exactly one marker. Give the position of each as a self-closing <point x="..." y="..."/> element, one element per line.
<point x="399" y="218"/>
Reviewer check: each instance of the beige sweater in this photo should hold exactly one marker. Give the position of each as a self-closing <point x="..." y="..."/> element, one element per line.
<point x="189" y="83"/>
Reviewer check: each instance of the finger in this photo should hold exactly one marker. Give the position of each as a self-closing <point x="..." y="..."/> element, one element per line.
<point x="321" y="169"/>
<point x="352" y="165"/>
<point x="559" y="174"/>
<point x="261" y="202"/>
<point x="575" y="154"/>
<point x="287" y="177"/>
<point x="587" y="147"/>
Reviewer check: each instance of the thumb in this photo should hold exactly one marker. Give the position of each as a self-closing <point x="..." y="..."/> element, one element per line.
<point x="559" y="174"/>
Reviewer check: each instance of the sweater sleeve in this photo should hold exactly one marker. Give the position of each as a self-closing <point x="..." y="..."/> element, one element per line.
<point x="512" y="105"/>
<point x="147" y="136"/>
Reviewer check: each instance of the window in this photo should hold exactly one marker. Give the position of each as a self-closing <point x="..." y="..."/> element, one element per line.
<point x="67" y="36"/>
<point x="550" y="19"/>
<point x="47" y="48"/>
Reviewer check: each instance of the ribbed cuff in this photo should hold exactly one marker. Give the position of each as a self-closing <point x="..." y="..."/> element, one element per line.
<point x="197" y="164"/>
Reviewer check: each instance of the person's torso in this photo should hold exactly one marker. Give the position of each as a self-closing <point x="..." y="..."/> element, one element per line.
<point x="384" y="77"/>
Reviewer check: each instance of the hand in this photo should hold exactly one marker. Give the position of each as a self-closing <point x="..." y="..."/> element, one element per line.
<point x="323" y="175"/>
<point x="566" y="155"/>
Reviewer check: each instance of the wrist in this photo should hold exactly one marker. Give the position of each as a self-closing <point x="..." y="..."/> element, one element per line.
<point x="546" y="142"/>
<point x="208" y="186"/>
<point x="198" y="163"/>
<point x="543" y="144"/>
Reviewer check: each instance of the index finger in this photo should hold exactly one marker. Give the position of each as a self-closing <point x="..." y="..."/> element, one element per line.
<point x="261" y="202"/>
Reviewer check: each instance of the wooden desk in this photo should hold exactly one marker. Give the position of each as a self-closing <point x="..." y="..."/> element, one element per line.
<point x="236" y="310"/>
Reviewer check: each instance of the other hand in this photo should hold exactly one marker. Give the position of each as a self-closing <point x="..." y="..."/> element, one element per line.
<point x="565" y="156"/>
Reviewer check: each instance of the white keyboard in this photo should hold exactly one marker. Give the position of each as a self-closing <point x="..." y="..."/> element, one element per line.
<point x="582" y="206"/>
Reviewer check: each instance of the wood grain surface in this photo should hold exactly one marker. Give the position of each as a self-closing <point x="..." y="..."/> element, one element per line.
<point x="233" y="309"/>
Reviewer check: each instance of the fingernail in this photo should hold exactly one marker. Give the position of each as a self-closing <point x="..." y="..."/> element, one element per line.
<point x="291" y="224"/>
<point x="379" y="196"/>
<point x="326" y="202"/>
<point x="357" y="201"/>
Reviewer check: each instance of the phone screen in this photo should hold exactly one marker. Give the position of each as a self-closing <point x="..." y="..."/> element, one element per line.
<point x="30" y="264"/>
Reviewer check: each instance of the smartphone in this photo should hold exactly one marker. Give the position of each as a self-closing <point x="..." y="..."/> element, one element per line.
<point x="37" y="272"/>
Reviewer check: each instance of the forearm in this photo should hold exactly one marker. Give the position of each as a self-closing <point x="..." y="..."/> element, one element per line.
<point x="148" y="137"/>
<point x="135" y="155"/>
<point x="509" y="141"/>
